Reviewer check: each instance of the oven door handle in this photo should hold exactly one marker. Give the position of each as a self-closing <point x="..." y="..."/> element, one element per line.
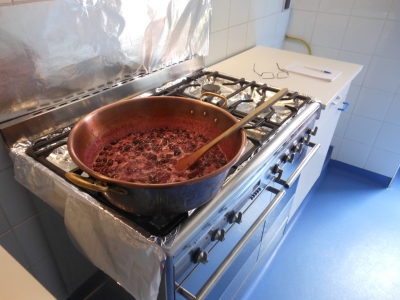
<point x="296" y="173"/>
<point x="236" y="250"/>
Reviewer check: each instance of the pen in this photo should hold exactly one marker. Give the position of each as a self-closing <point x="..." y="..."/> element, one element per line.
<point x="319" y="70"/>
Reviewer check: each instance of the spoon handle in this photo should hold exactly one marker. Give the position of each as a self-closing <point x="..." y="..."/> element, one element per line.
<point x="187" y="161"/>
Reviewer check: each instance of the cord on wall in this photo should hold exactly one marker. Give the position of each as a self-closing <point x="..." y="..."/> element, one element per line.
<point x="301" y="41"/>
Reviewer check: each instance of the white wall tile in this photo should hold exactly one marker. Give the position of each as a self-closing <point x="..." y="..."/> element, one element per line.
<point x="4" y="225"/>
<point x="15" y="199"/>
<point x="362" y="35"/>
<point x="10" y="243"/>
<point x="273" y="7"/>
<point x="269" y="30"/>
<point x="357" y="58"/>
<point x="301" y="24"/>
<point x="73" y="266"/>
<point x="281" y="26"/>
<point x="342" y="7"/>
<point x="255" y="33"/>
<point x="220" y="15"/>
<point x="311" y="5"/>
<point x="393" y="115"/>
<point x="236" y="39"/>
<point x="65" y="267"/>
<point x="383" y="74"/>
<point x="218" y="47"/>
<point x="239" y="12"/>
<point x="352" y="96"/>
<point x="342" y="124"/>
<point x="78" y="267"/>
<point x="38" y="203"/>
<point x="61" y="294"/>
<point x="53" y="227"/>
<point x="372" y="41"/>
<point x="373" y="103"/>
<point x="5" y="160"/>
<point x="353" y="153"/>
<point x="324" y="52"/>
<point x="47" y="273"/>
<point x="362" y="130"/>
<point x="278" y="45"/>
<point x="257" y="9"/>
<point x="394" y="13"/>
<point x="336" y="143"/>
<point x="389" y="46"/>
<point x="389" y="138"/>
<point x="329" y="30"/>
<point x="32" y="240"/>
<point x="383" y="162"/>
<point x="294" y="46"/>
<point x="371" y="8"/>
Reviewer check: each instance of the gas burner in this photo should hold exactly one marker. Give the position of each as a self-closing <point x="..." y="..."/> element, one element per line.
<point x="211" y="87"/>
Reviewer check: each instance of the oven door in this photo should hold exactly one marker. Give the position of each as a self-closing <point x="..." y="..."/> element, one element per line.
<point x="240" y="248"/>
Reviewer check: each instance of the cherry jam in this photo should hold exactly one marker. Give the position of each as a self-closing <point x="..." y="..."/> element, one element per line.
<point x="149" y="157"/>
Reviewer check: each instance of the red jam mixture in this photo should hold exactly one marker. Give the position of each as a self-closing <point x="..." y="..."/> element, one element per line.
<point x="150" y="156"/>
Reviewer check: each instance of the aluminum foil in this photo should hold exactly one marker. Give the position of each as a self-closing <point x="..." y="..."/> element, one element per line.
<point x="53" y="50"/>
<point x="110" y="241"/>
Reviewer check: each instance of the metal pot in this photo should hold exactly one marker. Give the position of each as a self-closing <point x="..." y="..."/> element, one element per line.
<point x="114" y="121"/>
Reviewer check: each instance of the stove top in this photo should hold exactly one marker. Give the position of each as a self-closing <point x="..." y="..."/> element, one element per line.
<point x="241" y="96"/>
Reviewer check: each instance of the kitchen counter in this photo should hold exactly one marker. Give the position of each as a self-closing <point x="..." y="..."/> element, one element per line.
<point x="266" y="58"/>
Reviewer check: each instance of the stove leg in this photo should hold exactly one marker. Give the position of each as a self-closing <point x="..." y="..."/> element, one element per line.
<point x="167" y="285"/>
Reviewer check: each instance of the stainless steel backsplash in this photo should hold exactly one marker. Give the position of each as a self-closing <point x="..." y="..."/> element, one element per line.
<point x="53" y="50"/>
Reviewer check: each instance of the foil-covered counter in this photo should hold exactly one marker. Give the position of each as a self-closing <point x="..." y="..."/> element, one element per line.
<point x="110" y="241"/>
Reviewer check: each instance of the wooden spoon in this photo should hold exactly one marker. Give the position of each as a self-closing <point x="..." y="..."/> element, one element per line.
<point x="187" y="161"/>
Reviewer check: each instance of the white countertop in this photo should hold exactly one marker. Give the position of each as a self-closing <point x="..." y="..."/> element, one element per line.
<point x="18" y="283"/>
<point x="266" y="58"/>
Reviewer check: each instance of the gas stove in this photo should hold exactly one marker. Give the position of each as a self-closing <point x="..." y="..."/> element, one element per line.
<point x="241" y="97"/>
<point x="170" y="254"/>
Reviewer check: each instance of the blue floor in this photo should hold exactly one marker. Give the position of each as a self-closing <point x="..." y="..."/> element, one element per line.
<point x="344" y="243"/>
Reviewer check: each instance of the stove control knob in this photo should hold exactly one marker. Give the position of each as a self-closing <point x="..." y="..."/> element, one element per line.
<point x="312" y="131"/>
<point x="296" y="148"/>
<point x="288" y="157"/>
<point x="218" y="235"/>
<point x="200" y="257"/>
<point x="235" y="217"/>
<point x="277" y="170"/>
<point x="300" y="146"/>
<point x="305" y="140"/>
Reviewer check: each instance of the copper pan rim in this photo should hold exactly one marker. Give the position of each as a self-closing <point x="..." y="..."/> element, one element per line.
<point x="72" y="144"/>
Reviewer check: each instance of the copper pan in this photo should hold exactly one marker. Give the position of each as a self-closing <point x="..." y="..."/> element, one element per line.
<point x="116" y="120"/>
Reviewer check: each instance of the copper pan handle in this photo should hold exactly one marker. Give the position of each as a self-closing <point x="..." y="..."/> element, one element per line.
<point x="215" y="95"/>
<point x="97" y="186"/>
<point x="85" y="182"/>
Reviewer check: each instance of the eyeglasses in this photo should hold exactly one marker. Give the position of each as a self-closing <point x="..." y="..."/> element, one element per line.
<point x="270" y="75"/>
